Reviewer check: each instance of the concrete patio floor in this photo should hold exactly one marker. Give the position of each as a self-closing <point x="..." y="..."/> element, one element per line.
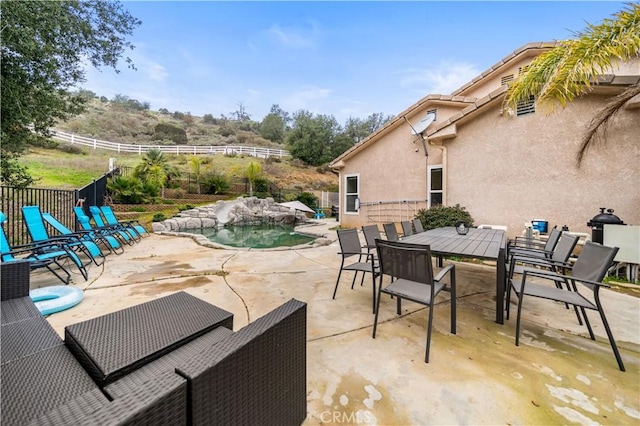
<point x="556" y="376"/>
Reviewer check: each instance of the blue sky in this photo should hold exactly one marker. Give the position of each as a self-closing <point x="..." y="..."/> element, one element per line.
<point x="336" y="58"/>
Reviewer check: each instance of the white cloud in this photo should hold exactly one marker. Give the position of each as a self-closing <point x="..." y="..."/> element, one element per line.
<point x="293" y="38"/>
<point x="443" y="78"/>
<point x="149" y="68"/>
<point x="308" y="98"/>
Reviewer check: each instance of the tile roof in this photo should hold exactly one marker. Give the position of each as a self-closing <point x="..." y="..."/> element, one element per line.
<point x="473" y="104"/>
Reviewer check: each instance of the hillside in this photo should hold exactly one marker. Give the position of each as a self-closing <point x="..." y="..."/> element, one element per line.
<point x="64" y="166"/>
<point x="129" y="122"/>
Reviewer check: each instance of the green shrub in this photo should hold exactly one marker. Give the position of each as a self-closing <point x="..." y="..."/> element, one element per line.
<point x="216" y="183"/>
<point x="226" y="131"/>
<point x="44" y="143"/>
<point x="208" y="118"/>
<point x="441" y="216"/>
<point x="158" y="217"/>
<point x="168" y="202"/>
<point x="308" y="199"/>
<point x="138" y="209"/>
<point x="169" y="131"/>
<point x="71" y="149"/>
<point x="261" y="187"/>
<point x="131" y="190"/>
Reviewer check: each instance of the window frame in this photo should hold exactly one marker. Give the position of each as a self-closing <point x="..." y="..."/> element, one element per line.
<point x="347" y="194"/>
<point x="431" y="191"/>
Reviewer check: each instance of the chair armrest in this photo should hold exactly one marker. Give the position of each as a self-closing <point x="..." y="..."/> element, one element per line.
<point x="524" y="240"/>
<point x="162" y="400"/>
<point x="14" y="279"/>
<point x="541" y="273"/>
<point x="524" y="250"/>
<point x="539" y="261"/>
<point x="358" y="253"/>
<point x="255" y="376"/>
<point x="444" y="271"/>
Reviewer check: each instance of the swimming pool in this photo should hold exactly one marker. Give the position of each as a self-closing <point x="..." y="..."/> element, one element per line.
<point x="254" y="236"/>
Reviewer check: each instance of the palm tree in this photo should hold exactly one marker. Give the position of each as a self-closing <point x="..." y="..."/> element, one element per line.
<point x="569" y="70"/>
<point x="155" y="167"/>
<point x="252" y="173"/>
<point x="194" y="164"/>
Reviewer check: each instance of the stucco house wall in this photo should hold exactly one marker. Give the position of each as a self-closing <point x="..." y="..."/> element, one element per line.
<point x="509" y="170"/>
<point x="504" y="169"/>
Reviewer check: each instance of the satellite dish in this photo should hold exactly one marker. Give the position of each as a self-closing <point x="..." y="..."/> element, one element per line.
<point x="422" y="125"/>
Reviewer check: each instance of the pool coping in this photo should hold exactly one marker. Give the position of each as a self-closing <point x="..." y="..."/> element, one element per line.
<point x="323" y="236"/>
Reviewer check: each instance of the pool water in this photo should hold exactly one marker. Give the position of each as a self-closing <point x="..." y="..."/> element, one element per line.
<point x="254" y="236"/>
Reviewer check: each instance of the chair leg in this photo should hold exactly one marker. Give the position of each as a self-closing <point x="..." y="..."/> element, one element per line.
<point x="426" y="355"/>
<point x="508" y="300"/>
<point x="611" y="340"/>
<point x="399" y="305"/>
<point x="587" y="323"/>
<point x="355" y="275"/>
<point x="453" y="302"/>
<point x="520" y="299"/>
<point x="374" y="290"/>
<point x="375" y="318"/>
<point x="58" y="275"/>
<point x="335" y="290"/>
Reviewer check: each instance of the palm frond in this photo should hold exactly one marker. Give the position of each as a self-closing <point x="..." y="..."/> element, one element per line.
<point x="598" y="123"/>
<point x="569" y="70"/>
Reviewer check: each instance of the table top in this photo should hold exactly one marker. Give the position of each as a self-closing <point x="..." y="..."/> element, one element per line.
<point x="112" y="345"/>
<point x="478" y="242"/>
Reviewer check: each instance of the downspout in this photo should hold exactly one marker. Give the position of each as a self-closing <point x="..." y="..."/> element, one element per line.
<point x="445" y="172"/>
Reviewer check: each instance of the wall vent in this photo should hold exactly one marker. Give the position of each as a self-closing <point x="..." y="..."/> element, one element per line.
<point x="506" y="79"/>
<point x="526" y="107"/>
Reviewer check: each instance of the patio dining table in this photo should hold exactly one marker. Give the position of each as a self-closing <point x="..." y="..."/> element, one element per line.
<point x="479" y="243"/>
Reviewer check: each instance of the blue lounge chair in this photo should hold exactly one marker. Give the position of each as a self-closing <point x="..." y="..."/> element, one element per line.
<point x="39" y="255"/>
<point x="38" y="232"/>
<point x="133" y="225"/>
<point x="106" y="241"/>
<point x="107" y="233"/>
<point x="123" y="233"/>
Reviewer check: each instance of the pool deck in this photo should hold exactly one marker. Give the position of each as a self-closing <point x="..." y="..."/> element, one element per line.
<point x="556" y="376"/>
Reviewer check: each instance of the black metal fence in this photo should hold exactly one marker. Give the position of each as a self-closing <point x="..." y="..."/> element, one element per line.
<point x="94" y="193"/>
<point x="58" y="202"/>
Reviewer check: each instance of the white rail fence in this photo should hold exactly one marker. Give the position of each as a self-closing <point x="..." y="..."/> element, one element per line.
<point x="259" y="152"/>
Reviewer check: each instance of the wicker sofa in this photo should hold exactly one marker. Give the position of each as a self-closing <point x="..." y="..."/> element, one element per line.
<point x="256" y="375"/>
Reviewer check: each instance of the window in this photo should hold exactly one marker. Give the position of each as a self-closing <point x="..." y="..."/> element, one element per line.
<point x="435" y="186"/>
<point x="352" y="193"/>
<point x="506" y="79"/>
<point x="526" y="107"/>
